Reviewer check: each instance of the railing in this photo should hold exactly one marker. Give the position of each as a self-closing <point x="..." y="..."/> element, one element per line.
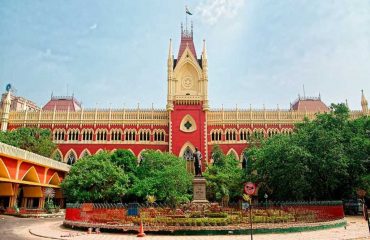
<point x="90" y="116"/>
<point x="32" y="157"/>
<point x="245" y="116"/>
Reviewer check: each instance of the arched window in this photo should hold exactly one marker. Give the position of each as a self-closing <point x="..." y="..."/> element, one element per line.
<point x="73" y="134"/>
<point x="245" y="134"/>
<point x="59" y="135"/>
<point x="216" y="135"/>
<point x="230" y="135"/>
<point x="116" y="135"/>
<point x="101" y="135"/>
<point x="130" y="135"/>
<point x="158" y="135"/>
<point x="71" y="159"/>
<point x="144" y="135"/>
<point x="87" y="134"/>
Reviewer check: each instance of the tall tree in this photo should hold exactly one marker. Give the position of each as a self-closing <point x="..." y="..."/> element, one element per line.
<point x="325" y="158"/>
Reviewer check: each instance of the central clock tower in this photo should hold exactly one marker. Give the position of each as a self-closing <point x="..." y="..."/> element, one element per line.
<point x="187" y="99"/>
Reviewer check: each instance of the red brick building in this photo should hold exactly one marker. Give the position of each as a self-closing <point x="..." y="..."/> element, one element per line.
<point x="187" y="121"/>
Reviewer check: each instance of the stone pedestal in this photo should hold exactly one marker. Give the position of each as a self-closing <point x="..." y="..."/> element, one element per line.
<point x="199" y="190"/>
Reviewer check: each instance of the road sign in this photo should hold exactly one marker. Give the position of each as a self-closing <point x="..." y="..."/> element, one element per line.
<point x="250" y="188"/>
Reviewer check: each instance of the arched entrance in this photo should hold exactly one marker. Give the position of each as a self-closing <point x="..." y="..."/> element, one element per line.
<point x="188" y="157"/>
<point x="187" y="154"/>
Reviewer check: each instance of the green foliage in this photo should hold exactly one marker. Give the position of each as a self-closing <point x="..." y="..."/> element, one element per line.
<point x="95" y="179"/>
<point x="224" y="177"/>
<point x="164" y="176"/>
<point x="325" y="158"/>
<point x="127" y="161"/>
<point x="35" y="140"/>
<point x="218" y="156"/>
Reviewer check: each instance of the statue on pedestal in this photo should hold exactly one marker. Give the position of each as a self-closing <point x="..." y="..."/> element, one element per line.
<point x="197" y="163"/>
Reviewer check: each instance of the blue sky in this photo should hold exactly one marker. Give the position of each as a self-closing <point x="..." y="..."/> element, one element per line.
<point x="114" y="53"/>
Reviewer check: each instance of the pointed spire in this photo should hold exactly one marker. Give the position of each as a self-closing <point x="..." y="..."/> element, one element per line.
<point x="364" y="104"/>
<point x="204" y="52"/>
<point x="170" y="50"/>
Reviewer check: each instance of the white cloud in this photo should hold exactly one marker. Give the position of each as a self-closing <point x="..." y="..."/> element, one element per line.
<point x="213" y="11"/>
<point x="94" y="26"/>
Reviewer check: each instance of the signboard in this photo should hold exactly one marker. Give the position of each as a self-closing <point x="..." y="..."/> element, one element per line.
<point x="133" y="209"/>
<point x="245" y="205"/>
<point x="250" y="188"/>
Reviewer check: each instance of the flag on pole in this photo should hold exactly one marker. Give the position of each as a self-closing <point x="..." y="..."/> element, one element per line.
<point x="187" y="11"/>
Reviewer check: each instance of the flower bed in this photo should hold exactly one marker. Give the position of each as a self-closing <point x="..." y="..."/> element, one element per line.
<point x="157" y="218"/>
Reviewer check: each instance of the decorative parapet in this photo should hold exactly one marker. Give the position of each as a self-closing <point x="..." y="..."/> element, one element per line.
<point x="240" y="116"/>
<point x="91" y="116"/>
<point x="27" y="156"/>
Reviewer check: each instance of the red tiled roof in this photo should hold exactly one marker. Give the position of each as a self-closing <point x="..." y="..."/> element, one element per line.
<point x="62" y="104"/>
<point x="309" y="105"/>
<point x="186" y="41"/>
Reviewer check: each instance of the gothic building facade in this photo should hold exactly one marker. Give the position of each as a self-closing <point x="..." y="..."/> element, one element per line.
<point x="186" y="123"/>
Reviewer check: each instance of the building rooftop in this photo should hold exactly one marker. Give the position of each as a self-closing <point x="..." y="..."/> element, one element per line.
<point x="309" y="104"/>
<point x="63" y="103"/>
<point x="186" y="41"/>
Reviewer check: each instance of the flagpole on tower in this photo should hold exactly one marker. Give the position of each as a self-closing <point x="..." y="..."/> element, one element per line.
<point x="187" y="12"/>
<point x="186" y="18"/>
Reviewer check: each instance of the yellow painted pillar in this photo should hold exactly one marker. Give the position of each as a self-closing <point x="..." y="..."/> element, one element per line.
<point x="13" y="199"/>
<point x="41" y="203"/>
<point x="42" y="199"/>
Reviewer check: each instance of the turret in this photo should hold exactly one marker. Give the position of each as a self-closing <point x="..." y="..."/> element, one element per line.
<point x="187" y="74"/>
<point x="6" y="109"/>
<point x="364" y="105"/>
<point x="169" y="106"/>
<point x="205" y="75"/>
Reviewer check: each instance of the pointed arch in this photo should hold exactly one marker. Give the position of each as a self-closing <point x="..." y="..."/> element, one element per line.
<point x="139" y="158"/>
<point x="187" y="144"/>
<point x="54" y="180"/>
<point x="57" y="155"/>
<point x="131" y="151"/>
<point x="158" y="151"/>
<point x="4" y="172"/>
<point x="99" y="151"/>
<point x="31" y="175"/>
<point x="70" y="157"/>
<point x="232" y="151"/>
<point x="85" y="153"/>
<point x="113" y="150"/>
<point x="184" y="61"/>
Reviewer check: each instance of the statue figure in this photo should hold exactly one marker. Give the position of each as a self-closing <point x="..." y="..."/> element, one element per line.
<point x="197" y="162"/>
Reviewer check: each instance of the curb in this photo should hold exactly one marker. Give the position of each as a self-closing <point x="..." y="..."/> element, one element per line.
<point x="48" y="237"/>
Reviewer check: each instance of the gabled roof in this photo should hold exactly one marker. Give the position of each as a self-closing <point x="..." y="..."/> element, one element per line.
<point x="309" y="104"/>
<point x="186" y="41"/>
<point x="62" y="104"/>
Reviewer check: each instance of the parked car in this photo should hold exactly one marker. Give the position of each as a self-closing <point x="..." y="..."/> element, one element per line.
<point x="352" y="206"/>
